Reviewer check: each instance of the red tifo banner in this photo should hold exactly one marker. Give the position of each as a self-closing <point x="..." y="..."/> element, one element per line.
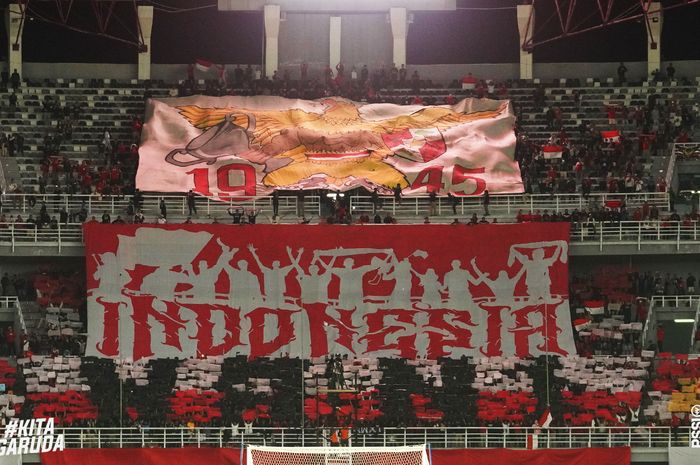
<point x="244" y="146"/>
<point x="387" y="290"/>
<point x="212" y="456"/>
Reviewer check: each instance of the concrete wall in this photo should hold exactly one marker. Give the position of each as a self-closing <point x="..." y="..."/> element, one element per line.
<point x="80" y="70"/>
<point x="678" y="264"/>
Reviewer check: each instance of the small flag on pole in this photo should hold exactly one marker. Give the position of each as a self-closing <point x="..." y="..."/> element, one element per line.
<point x="595" y="307"/>
<point x="469" y="82"/>
<point x="545" y="419"/>
<point x="581" y="324"/>
<point x="610" y="136"/>
<point x="203" y="65"/>
<point x="550" y="152"/>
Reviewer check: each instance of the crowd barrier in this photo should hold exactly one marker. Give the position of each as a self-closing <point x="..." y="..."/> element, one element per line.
<point x="310" y="205"/>
<point x="591" y="235"/>
<point x="438" y="437"/>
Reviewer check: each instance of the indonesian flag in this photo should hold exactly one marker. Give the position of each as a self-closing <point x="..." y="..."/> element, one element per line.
<point x="550" y="152"/>
<point x="610" y="136"/>
<point x="545" y="419"/>
<point x="613" y="203"/>
<point x="203" y="65"/>
<point x="595" y="307"/>
<point x="581" y="324"/>
<point x="469" y="82"/>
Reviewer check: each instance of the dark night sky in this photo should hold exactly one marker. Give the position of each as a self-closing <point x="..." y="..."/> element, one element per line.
<point x="464" y="36"/>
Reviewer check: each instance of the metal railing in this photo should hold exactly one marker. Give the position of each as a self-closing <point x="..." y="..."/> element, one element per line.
<point x="30" y="235"/>
<point x="695" y="330"/>
<point x="8" y="301"/>
<point x="507" y="204"/>
<point x="437" y="437"/>
<point x="311" y="205"/>
<point x="3" y="182"/>
<point x="11" y="304"/>
<point x="598" y="235"/>
<point x="96" y="205"/>
<point x="675" y="301"/>
<point x="685" y="151"/>
<point x="636" y="233"/>
<point x="671" y="302"/>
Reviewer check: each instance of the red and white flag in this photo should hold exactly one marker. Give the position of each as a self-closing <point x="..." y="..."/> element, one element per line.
<point x="469" y="82"/>
<point x="545" y="419"/>
<point x="551" y="152"/>
<point x="160" y="273"/>
<point x="582" y="323"/>
<point x="595" y="307"/>
<point x="203" y="65"/>
<point x="610" y="136"/>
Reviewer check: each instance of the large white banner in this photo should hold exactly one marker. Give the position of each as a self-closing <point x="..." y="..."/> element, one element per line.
<point x="245" y="146"/>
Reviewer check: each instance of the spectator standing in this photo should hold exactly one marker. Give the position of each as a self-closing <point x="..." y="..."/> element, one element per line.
<point x="236" y="215"/>
<point x="433" y="202"/>
<point x="670" y="72"/>
<point x="690" y="283"/>
<point x="136" y="126"/>
<point x="163" y="208"/>
<point x="15" y="80"/>
<point x="364" y="74"/>
<point x="375" y="200"/>
<point x="13" y="101"/>
<point x="191" y="202"/>
<point x="10" y="340"/>
<point x="486" y="201"/>
<point x="660" y="336"/>
<point x="621" y="73"/>
<point x="397" y="194"/>
<point x="5" y="283"/>
<point x="252" y="215"/>
<point x="275" y="203"/>
<point x="453" y="201"/>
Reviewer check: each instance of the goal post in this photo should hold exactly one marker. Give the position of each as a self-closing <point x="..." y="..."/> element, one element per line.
<point x="405" y="455"/>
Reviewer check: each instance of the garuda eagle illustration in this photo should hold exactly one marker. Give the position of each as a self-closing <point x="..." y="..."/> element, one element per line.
<point x="303" y="149"/>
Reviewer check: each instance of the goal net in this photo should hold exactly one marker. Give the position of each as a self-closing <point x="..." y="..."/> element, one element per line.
<point x="408" y="455"/>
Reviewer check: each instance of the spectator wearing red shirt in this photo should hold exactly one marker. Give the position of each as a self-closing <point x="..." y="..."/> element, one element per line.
<point x="660" y="336"/>
<point x="83" y="168"/>
<point x="86" y="181"/>
<point x="661" y="185"/>
<point x="10" y="340"/>
<point x="578" y="169"/>
<point x="115" y="175"/>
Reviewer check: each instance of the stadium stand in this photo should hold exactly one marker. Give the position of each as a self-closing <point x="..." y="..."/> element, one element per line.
<point x="599" y="154"/>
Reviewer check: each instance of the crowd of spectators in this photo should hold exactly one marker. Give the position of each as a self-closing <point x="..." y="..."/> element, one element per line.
<point x="613" y="300"/>
<point x="590" y="164"/>
<point x="363" y="84"/>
